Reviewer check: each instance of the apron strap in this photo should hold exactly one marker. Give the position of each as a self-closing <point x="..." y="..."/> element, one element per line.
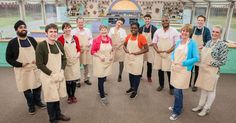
<point x="58" y="48"/>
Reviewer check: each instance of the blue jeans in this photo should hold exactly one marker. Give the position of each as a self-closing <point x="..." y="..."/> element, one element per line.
<point x="178" y="103"/>
<point x="134" y="81"/>
<point x="101" y="86"/>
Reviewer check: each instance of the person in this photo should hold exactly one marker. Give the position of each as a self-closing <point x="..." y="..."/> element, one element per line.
<point x="201" y="34"/>
<point x="135" y="46"/>
<point x="20" y="53"/>
<point x="184" y="56"/>
<point x="213" y="56"/>
<point x="118" y="35"/>
<point x="148" y="31"/>
<point x="72" y="52"/>
<point x="102" y="60"/>
<point x="86" y="41"/>
<point x="164" y="43"/>
<point x="51" y="60"/>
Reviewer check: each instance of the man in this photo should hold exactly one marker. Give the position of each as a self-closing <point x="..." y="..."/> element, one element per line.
<point x="20" y="54"/>
<point x="164" y="43"/>
<point x="51" y="60"/>
<point x="201" y="35"/>
<point x="148" y="31"/>
<point x="118" y="35"/>
<point x="85" y="40"/>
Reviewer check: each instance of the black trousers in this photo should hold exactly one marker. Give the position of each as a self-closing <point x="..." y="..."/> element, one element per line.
<point x="121" y="67"/>
<point x="161" y="76"/>
<point x="101" y="86"/>
<point x="134" y="81"/>
<point x="54" y="110"/>
<point x="33" y="96"/>
<point x="149" y="70"/>
<point x="70" y="88"/>
<point x="196" y="70"/>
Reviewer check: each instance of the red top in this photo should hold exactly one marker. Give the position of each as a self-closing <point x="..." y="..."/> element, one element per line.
<point x="62" y="40"/>
<point x="141" y="40"/>
<point x="97" y="42"/>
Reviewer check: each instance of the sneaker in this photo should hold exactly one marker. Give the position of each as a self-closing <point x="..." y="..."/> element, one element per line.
<point x="74" y="99"/>
<point x="204" y="112"/>
<point x="174" y="116"/>
<point x="149" y="79"/>
<point x="78" y="85"/>
<point x="194" y="88"/>
<point x="62" y="117"/>
<point x="197" y="109"/>
<point x="170" y="108"/>
<point x="104" y="101"/>
<point x="159" y="88"/>
<point x="133" y="94"/>
<point x="87" y="82"/>
<point x="129" y="91"/>
<point x="119" y="79"/>
<point x="69" y="100"/>
<point x="41" y="105"/>
<point x="32" y="110"/>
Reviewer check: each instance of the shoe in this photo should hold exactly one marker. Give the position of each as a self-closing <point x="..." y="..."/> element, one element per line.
<point x="170" y="108"/>
<point x="74" y="99"/>
<point x="129" y="91"/>
<point x="204" y="112"/>
<point x="119" y="79"/>
<point x="69" y="100"/>
<point x="194" y="88"/>
<point x="159" y="88"/>
<point x="133" y="94"/>
<point x="104" y="101"/>
<point x="87" y="82"/>
<point x="171" y="91"/>
<point x="78" y="85"/>
<point x="41" y="105"/>
<point x="55" y="121"/>
<point x="62" y="117"/>
<point x="197" y="109"/>
<point x="32" y="110"/>
<point x="174" y="116"/>
<point x="149" y="79"/>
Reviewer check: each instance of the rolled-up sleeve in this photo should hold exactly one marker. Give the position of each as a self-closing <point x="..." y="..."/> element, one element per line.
<point x="155" y="38"/>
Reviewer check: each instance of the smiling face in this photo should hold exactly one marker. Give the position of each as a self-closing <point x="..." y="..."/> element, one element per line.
<point x="134" y="29"/>
<point x="52" y="34"/>
<point x="22" y="31"/>
<point x="200" y="22"/>
<point x="147" y="20"/>
<point x="80" y="23"/>
<point x="216" y="33"/>
<point x="185" y="33"/>
<point x="67" y="30"/>
<point x="165" y="22"/>
<point x="119" y="23"/>
<point x="103" y="32"/>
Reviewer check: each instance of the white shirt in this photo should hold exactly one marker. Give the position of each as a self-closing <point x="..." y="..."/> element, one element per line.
<point x="121" y="31"/>
<point x="171" y="33"/>
<point x="86" y="31"/>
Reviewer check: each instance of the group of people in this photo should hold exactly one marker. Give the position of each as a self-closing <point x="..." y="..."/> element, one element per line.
<point x="54" y="64"/>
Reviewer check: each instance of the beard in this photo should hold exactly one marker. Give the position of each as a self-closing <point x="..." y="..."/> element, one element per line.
<point x="22" y="33"/>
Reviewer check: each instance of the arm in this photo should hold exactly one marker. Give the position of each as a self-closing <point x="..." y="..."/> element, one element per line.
<point x="207" y="36"/>
<point x="11" y="54"/>
<point x="142" y="41"/>
<point x="63" y="57"/>
<point x="222" y="56"/>
<point x="142" y="51"/>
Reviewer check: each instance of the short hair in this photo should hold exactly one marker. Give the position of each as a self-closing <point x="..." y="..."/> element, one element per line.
<point x="201" y="16"/>
<point x="79" y="18"/>
<point x="187" y="27"/>
<point x="102" y="26"/>
<point x="219" y="27"/>
<point x="165" y="16"/>
<point x="51" y="26"/>
<point x="64" y="25"/>
<point x="135" y="23"/>
<point x="147" y="15"/>
<point x="121" y="19"/>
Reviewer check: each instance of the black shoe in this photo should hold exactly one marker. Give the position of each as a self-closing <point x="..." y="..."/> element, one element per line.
<point x="55" y="121"/>
<point x="129" y="91"/>
<point x="119" y="79"/>
<point x="41" y="105"/>
<point x="194" y="88"/>
<point x="133" y="94"/>
<point x="32" y="110"/>
<point x="78" y="85"/>
<point x="62" y="117"/>
<point x="87" y="82"/>
<point x="171" y="91"/>
<point x="159" y="88"/>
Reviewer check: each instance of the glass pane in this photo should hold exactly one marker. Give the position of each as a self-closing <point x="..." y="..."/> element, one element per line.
<point x="200" y="11"/>
<point x="232" y="30"/>
<point x="51" y="14"/>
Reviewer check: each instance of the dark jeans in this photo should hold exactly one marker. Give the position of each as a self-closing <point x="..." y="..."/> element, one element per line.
<point x="161" y="76"/>
<point x="121" y="67"/>
<point x="33" y="96"/>
<point x="101" y="86"/>
<point x="71" y="87"/>
<point x="196" y="69"/>
<point x="149" y="70"/>
<point x="134" y="81"/>
<point x="178" y="103"/>
<point x="54" y="110"/>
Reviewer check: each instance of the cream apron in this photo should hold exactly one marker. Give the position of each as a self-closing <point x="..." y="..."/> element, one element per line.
<point x="118" y="49"/>
<point x="199" y="40"/>
<point x="103" y="69"/>
<point x="208" y="77"/>
<point x="162" y="61"/>
<point x="53" y="90"/>
<point x="27" y="77"/>
<point x="180" y="77"/>
<point x="149" y="56"/>
<point x="85" y="56"/>
<point x="72" y="70"/>
<point x="133" y="63"/>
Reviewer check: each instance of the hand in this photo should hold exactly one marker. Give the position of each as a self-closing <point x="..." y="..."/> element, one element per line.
<point x="200" y="47"/>
<point x="33" y="62"/>
<point x="110" y="59"/>
<point x="151" y="44"/>
<point x="102" y="59"/>
<point x="168" y="51"/>
<point x="134" y="54"/>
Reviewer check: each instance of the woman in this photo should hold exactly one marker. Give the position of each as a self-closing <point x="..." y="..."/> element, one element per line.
<point x="213" y="55"/>
<point x="72" y="70"/>
<point x="135" y="46"/>
<point x="183" y="58"/>
<point x="102" y="60"/>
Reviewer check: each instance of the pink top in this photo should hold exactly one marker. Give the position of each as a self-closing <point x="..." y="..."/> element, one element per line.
<point x="97" y="42"/>
<point x="171" y="33"/>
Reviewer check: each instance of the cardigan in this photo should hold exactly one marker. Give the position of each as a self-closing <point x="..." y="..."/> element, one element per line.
<point x="97" y="42"/>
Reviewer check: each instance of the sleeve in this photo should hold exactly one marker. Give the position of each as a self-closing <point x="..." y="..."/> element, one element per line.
<point x="127" y="38"/>
<point x="207" y="36"/>
<point x="222" y="56"/>
<point x="123" y="34"/>
<point x="61" y="39"/>
<point x="63" y="58"/>
<point x="10" y="54"/>
<point x="143" y="40"/>
<point x="195" y="55"/>
<point x="94" y="48"/>
<point x="77" y="43"/>
<point x="155" y="37"/>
